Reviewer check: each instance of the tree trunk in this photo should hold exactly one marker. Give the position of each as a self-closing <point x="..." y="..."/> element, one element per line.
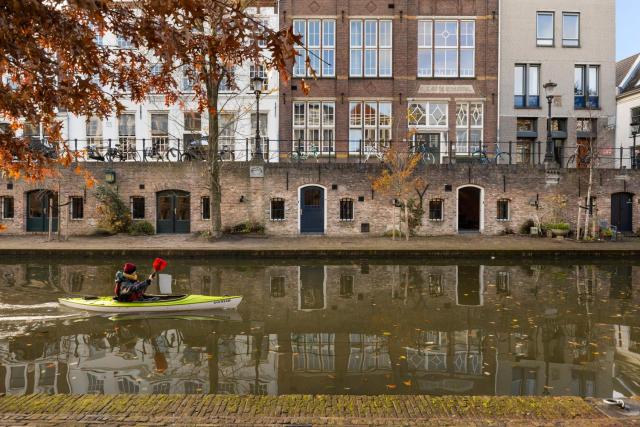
<point x="587" y="213"/>
<point x="393" y="222"/>
<point x="578" y="221"/>
<point x="214" y="161"/>
<point x="406" y="218"/>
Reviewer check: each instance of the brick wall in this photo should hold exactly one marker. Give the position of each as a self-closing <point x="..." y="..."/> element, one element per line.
<point x="528" y="190"/>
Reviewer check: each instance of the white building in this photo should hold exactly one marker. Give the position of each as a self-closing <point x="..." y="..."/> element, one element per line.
<point x="159" y="132"/>
<point x="628" y="110"/>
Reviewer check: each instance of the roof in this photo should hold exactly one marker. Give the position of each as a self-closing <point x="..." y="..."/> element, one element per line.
<point x="628" y="74"/>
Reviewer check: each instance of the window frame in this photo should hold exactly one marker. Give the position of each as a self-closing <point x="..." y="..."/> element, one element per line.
<point x="322" y="129"/>
<point x="324" y="48"/>
<point x="347" y="208"/>
<point x="526" y="96"/>
<point x="471" y="142"/>
<point x="205" y="208"/>
<point x="539" y="40"/>
<point x="271" y="209"/>
<point x="362" y="48"/>
<point x="585" y="82"/>
<point x="74" y="215"/>
<point x="635" y="113"/>
<point x="132" y="207"/>
<point x="430" y="211"/>
<point x="278" y="281"/>
<point x="432" y="49"/>
<point x="3" y="207"/>
<point x="564" y="39"/>
<point x="499" y="211"/>
<point x="363" y="128"/>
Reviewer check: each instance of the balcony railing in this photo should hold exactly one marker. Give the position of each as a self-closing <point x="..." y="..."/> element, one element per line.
<point x="164" y="149"/>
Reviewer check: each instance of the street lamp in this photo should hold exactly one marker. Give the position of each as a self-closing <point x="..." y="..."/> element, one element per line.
<point x="549" y="156"/>
<point x="257" y="90"/>
<point x="635" y="130"/>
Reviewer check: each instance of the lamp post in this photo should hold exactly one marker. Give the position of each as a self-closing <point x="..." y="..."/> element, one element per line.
<point x="635" y="129"/>
<point x="257" y="90"/>
<point x="549" y="156"/>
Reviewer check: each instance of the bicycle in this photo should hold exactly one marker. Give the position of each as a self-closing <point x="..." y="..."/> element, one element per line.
<point x="426" y="156"/>
<point x="578" y="160"/>
<point x="480" y="156"/>
<point x="372" y="150"/>
<point x="154" y="154"/>
<point x="300" y="156"/>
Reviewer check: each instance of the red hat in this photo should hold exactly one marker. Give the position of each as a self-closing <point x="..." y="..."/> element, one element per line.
<point x="129" y="268"/>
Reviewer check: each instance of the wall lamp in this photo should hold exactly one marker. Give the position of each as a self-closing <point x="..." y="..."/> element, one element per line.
<point x="241" y="199"/>
<point x="110" y="176"/>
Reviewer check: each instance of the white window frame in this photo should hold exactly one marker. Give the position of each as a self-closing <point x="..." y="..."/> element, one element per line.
<point x="427" y="114"/>
<point x="359" y="47"/>
<point x="323" y="131"/>
<point x="322" y="56"/>
<point x="470" y="127"/>
<point x="382" y="131"/>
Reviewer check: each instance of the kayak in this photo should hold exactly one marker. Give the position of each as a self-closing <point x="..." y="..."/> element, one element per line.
<point x="160" y="303"/>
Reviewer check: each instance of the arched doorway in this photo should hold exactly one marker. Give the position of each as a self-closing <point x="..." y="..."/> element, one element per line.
<point x="312" y="209"/>
<point x="42" y="208"/>
<point x="173" y="212"/>
<point x="470" y="215"/>
<point x="622" y="211"/>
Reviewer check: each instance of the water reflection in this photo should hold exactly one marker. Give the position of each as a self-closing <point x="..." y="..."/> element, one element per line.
<point x="503" y="328"/>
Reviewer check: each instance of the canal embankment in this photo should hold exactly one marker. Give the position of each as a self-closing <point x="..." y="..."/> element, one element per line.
<point x="315" y="246"/>
<point x="306" y="410"/>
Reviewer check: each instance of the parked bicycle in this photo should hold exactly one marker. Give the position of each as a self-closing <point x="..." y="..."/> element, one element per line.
<point x="373" y="150"/>
<point x="480" y="155"/>
<point x="153" y="153"/>
<point x="426" y="156"/>
<point x="197" y="151"/>
<point x="112" y="154"/>
<point x="300" y="156"/>
<point x="577" y="159"/>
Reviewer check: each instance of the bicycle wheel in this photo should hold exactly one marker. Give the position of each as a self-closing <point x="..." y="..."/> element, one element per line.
<point x="478" y="157"/>
<point x="503" y="157"/>
<point x="571" y="161"/>
<point x="186" y="157"/>
<point x="428" y="158"/>
<point x="173" y="154"/>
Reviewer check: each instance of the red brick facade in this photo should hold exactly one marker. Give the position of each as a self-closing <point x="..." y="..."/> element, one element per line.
<point x="404" y="85"/>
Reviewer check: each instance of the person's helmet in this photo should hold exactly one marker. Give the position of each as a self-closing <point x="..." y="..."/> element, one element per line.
<point x="129" y="268"/>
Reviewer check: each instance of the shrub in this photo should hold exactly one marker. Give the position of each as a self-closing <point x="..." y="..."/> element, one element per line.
<point x="245" y="228"/>
<point x="141" y="228"/>
<point x="113" y="213"/>
<point x="556" y="226"/>
<point x="525" y="228"/>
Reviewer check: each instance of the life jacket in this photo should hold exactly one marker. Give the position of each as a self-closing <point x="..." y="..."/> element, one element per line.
<point x="119" y="293"/>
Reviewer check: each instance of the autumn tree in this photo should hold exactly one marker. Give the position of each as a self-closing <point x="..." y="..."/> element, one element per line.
<point x="51" y="64"/>
<point x="399" y="180"/>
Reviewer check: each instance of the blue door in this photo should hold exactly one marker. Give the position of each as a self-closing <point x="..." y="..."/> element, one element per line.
<point x="312" y="210"/>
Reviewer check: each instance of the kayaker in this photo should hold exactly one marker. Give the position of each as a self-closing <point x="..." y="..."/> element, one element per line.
<point x="128" y="288"/>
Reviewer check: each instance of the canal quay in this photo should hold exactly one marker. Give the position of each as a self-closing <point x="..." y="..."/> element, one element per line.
<point x="453" y="330"/>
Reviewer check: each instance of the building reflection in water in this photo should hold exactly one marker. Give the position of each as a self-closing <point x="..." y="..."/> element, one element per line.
<point x="361" y="328"/>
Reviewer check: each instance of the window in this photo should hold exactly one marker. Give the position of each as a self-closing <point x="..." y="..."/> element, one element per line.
<point x="314" y="127"/>
<point x="446" y="48"/>
<point x="6" y="207"/>
<point x="436" y="210"/>
<point x="277" y="287"/>
<point x="160" y="132"/>
<point x="264" y="117"/>
<point x="369" y="125"/>
<point x="263" y="26"/>
<point x="227" y="131"/>
<point x="137" y="207"/>
<point x="544" y="28"/>
<point x="94" y="132"/>
<point x="127" y="134"/>
<point x="428" y="114"/>
<point x="192" y="127"/>
<point x="503" y="283"/>
<point x="469" y="123"/>
<point x="503" y="210"/>
<point x="156" y="69"/>
<point x="635" y="116"/>
<point x="586" y="87"/>
<point x="277" y="209"/>
<point x="188" y="74"/>
<point x="319" y="39"/>
<point x="226" y="79"/>
<point x="123" y="42"/>
<point x="346" y="285"/>
<point x="346" y="210"/>
<point x="436" y="285"/>
<point x="370" y="48"/>
<point x="205" y="207"/>
<point x="258" y="70"/>
<point x="570" y="29"/>
<point x="527" y="86"/>
<point x="77" y="207"/>
<point x="526" y="125"/>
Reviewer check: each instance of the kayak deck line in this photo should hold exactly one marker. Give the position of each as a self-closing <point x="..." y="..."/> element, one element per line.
<point x="183" y="303"/>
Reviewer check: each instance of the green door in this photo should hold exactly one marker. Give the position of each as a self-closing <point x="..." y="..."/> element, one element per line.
<point x="173" y="212"/>
<point x="38" y="212"/>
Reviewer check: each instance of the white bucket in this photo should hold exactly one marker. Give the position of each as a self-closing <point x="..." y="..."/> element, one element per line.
<point x="164" y="282"/>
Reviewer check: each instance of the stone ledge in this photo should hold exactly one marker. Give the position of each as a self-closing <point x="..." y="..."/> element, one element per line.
<point x="299" y="409"/>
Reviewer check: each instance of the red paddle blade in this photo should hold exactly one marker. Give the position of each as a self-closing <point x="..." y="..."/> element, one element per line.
<point x="159" y="264"/>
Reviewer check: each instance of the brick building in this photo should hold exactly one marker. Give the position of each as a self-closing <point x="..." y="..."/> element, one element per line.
<point x="424" y="71"/>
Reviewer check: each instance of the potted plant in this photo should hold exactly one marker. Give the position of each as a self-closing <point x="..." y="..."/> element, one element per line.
<point x="607" y="234"/>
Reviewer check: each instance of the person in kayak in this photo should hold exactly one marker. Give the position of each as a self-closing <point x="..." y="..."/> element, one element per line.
<point x="128" y="288"/>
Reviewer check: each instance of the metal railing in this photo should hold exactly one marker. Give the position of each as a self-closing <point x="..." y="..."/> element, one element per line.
<point x="165" y="149"/>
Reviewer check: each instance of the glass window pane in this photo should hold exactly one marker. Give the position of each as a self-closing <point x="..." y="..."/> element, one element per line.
<point x="579" y="81"/>
<point x="313" y="118"/>
<point x="467" y="62"/>
<point x="370" y="62"/>
<point x="425" y="64"/>
<point x="355" y="114"/>
<point x="328" y="65"/>
<point x="370" y="113"/>
<point x="370" y="33"/>
<point x="534" y="81"/>
<point x="467" y="34"/>
<point x="438" y="114"/>
<point x="356" y="33"/>
<point x="329" y="33"/>
<point x="328" y="114"/>
<point x="299" y="67"/>
<point x="593" y="81"/>
<point x="355" y="137"/>
<point x="570" y="28"/>
<point x="299" y="28"/>
<point x="298" y="114"/>
<point x="518" y="77"/>
<point x="545" y="29"/>
<point x="385" y="34"/>
<point x="425" y="28"/>
<point x="314" y="60"/>
<point x="355" y="62"/>
<point x="385" y="63"/>
<point x="313" y="37"/>
<point x="384" y="111"/>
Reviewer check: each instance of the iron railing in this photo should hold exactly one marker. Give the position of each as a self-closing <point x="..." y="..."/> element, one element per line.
<point x="165" y="149"/>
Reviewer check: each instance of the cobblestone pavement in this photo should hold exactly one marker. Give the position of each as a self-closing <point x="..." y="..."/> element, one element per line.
<point x="300" y="410"/>
<point x="282" y="245"/>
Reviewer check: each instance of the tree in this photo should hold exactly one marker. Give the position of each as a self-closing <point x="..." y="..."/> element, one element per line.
<point x="51" y="62"/>
<point x="398" y="179"/>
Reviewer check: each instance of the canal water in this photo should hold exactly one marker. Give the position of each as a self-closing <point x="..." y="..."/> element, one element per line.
<point x="333" y="326"/>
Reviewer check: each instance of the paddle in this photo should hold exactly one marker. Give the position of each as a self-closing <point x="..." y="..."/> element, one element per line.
<point x="159" y="264"/>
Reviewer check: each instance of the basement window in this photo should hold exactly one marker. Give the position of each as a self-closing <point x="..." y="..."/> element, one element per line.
<point x="277" y="209"/>
<point x="503" y="210"/>
<point x="436" y="210"/>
